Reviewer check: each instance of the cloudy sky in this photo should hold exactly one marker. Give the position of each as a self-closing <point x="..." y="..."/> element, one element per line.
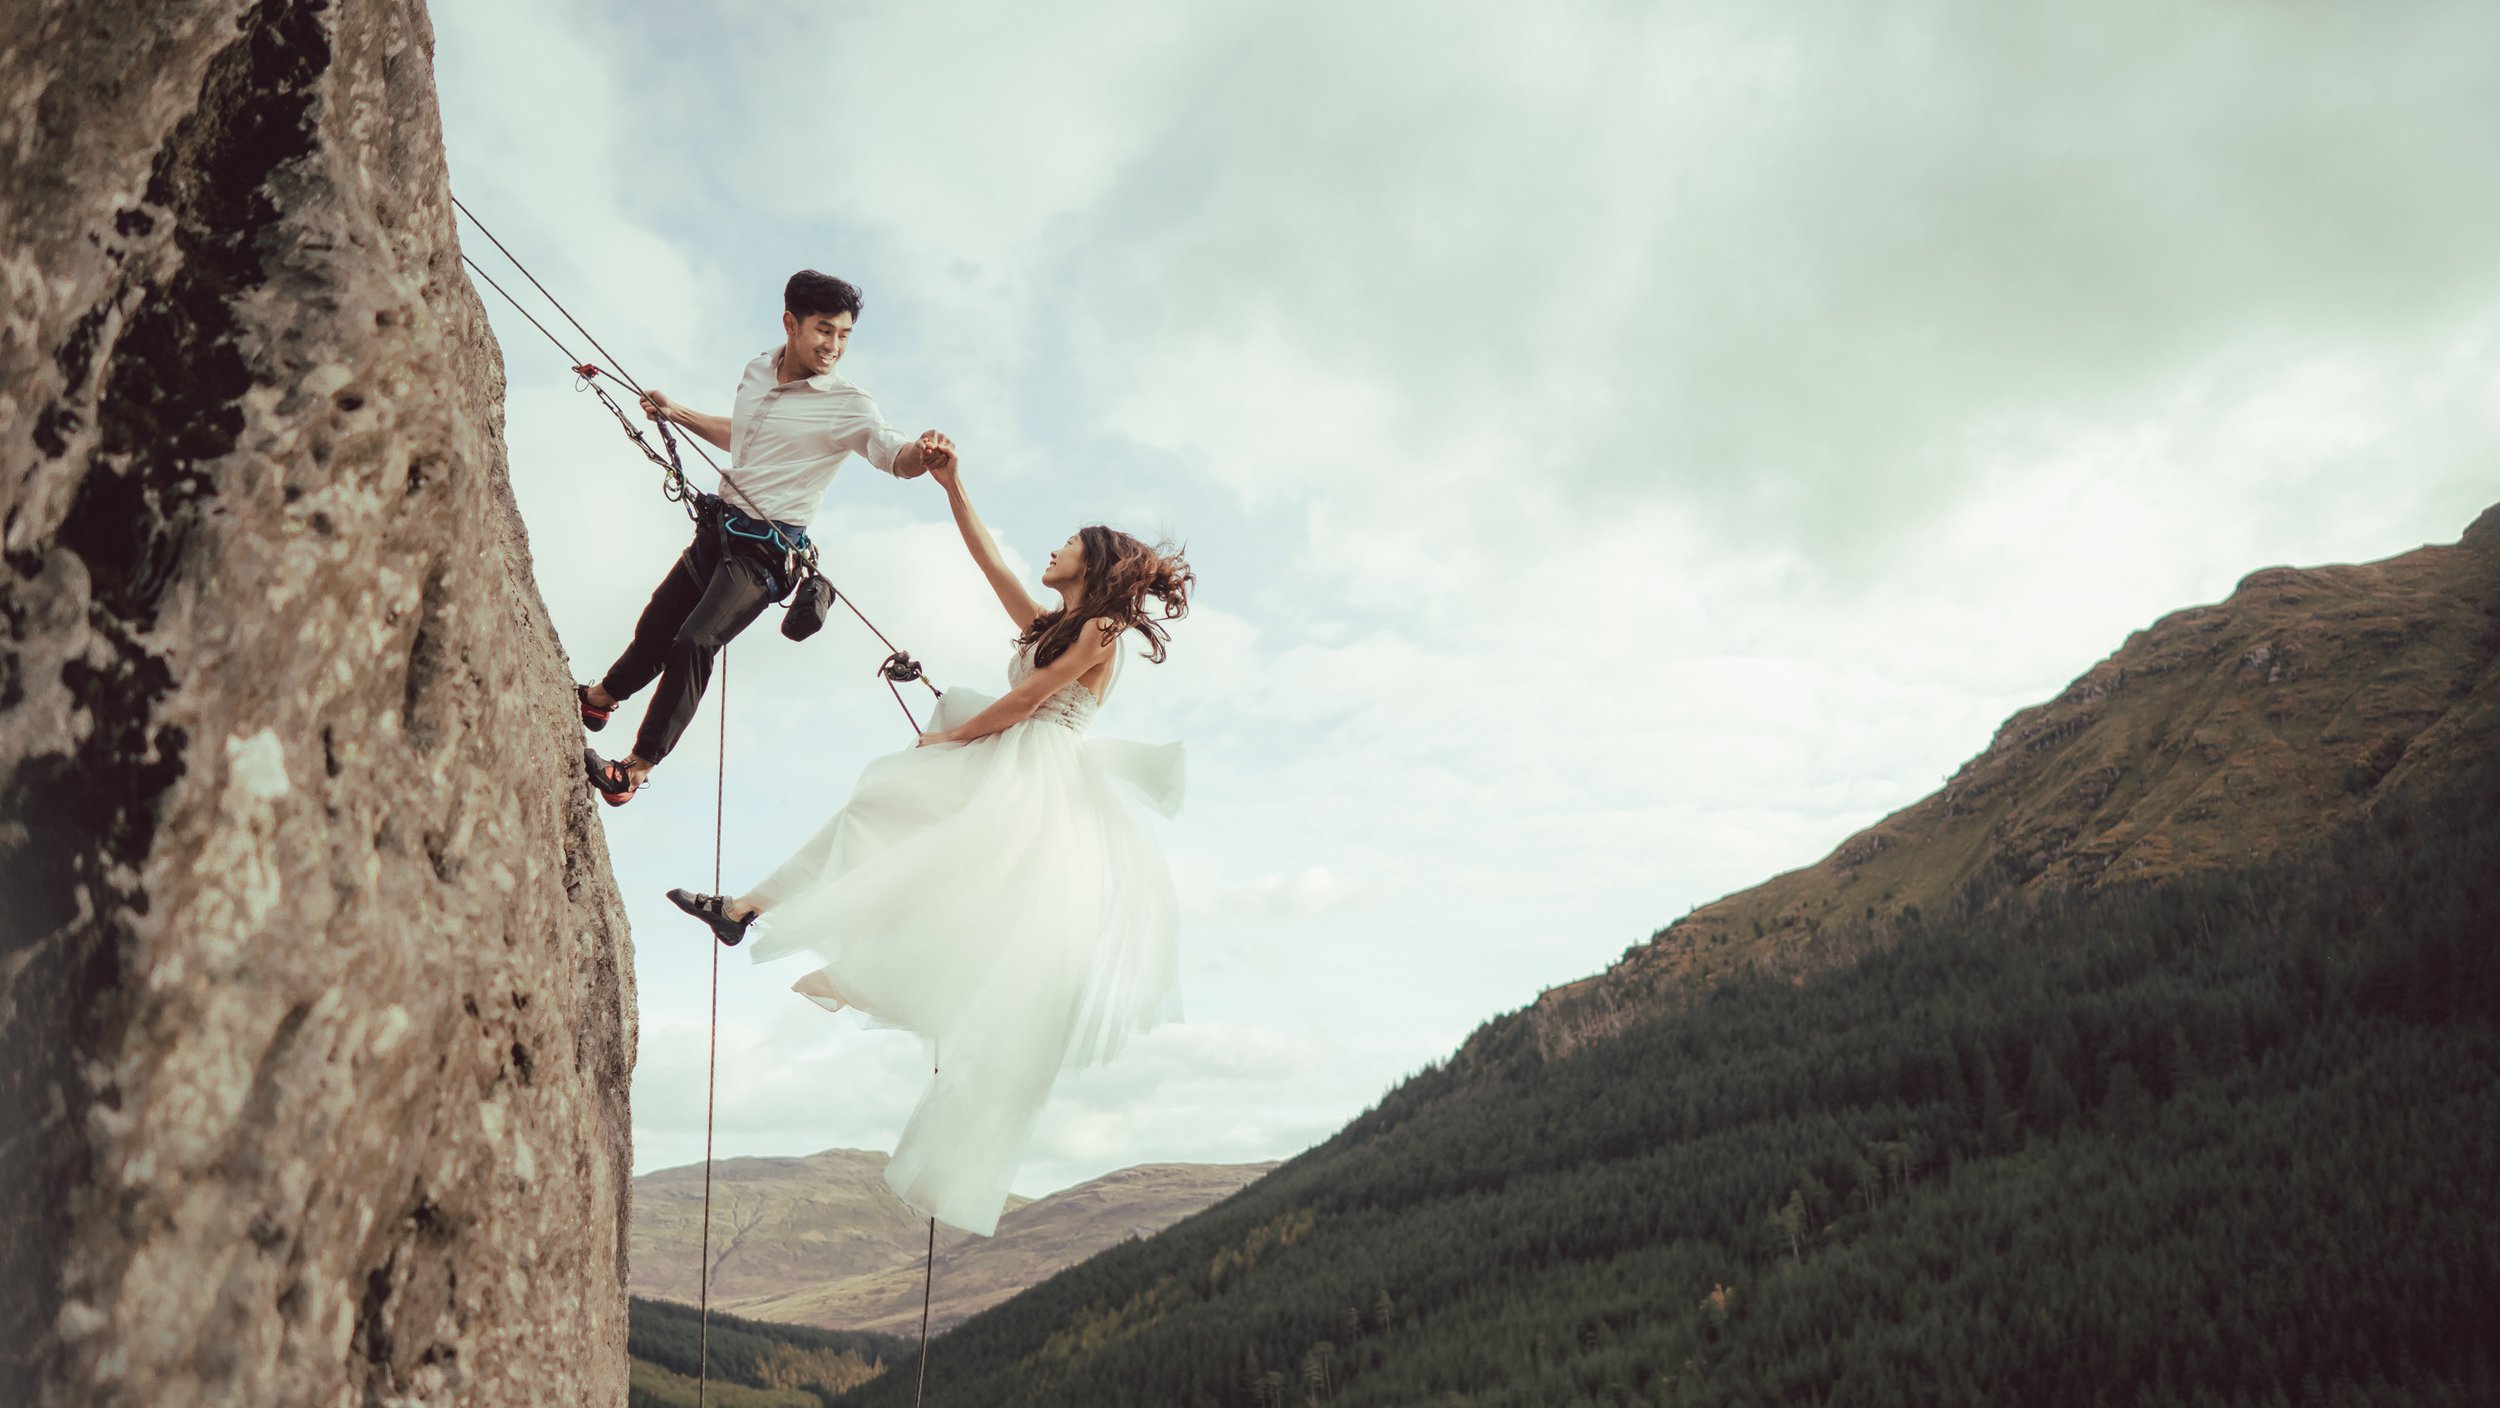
<point x="1625" y="448"/>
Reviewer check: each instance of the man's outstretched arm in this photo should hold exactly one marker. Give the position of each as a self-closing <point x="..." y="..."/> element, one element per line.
<point x="931" y="451"/>
<point x="712" y="428"/>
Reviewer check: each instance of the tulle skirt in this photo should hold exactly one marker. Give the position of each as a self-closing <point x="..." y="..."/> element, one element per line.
<point x="1003" y="900"/>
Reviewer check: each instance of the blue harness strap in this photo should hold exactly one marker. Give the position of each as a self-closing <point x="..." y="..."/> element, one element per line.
<point x="789" y="537"/>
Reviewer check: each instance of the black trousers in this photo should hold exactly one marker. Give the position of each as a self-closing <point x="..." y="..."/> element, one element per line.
<point x="708" y="597"/>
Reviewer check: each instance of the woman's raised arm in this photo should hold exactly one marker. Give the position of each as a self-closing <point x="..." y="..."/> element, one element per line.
<point x="1093" y="645"/>
<point x="1021" y="607"/>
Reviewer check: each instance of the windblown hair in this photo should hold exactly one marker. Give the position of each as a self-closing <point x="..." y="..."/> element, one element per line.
<point x="1127" y="583"/>
<point x="810" y="294"/>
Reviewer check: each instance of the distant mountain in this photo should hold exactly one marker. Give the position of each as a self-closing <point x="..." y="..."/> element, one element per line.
<point x="778" y="1225"/>
<point x="2156" y="1060"/>
<point x="1033" y="1242"/>
<point x="821" y="1240"/>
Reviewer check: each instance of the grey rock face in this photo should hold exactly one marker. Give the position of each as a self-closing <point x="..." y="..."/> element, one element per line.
<point x="315" y="989"/>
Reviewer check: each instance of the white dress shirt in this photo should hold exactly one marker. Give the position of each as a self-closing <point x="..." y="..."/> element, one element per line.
<point x="787" y="438"/>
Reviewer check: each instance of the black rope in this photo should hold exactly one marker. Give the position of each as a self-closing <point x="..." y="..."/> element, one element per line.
<point x="621" y="374"/>
<point x="898" y="670"/>
<point x="586" y="371"/>
<point x="928" y="1283"/>
<point x="928" y="1278"/>
<point x="516" y="306"/>
<point x="711" y="1057"/>
<point x="675" y="487"/>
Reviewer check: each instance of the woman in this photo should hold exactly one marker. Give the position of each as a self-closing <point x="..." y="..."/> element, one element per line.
<point x="989" y="889"/>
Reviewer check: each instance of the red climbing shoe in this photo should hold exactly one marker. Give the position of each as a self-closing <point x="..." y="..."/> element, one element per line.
<point x="594" y="718"/>
<point x="611" y="781"/>
<point x="713" y="910"/>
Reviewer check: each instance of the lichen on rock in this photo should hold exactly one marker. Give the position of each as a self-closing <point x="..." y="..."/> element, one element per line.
<point x="316" y="987"/>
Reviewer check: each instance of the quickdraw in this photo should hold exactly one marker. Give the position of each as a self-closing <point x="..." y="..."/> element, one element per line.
<point x="673" y="484"/>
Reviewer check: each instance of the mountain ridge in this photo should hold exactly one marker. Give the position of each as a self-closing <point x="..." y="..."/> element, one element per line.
<point x="1033" y="1241"/>
<point x="778" y="1222"/>
<point x="2219" y="734"/>
<point x="818" y="1239"/>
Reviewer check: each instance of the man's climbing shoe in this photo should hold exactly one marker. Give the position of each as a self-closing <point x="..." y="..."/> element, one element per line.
<point x="611" y="781"/>
<point x="713" y="910"/>
<point x="594" y="718"/>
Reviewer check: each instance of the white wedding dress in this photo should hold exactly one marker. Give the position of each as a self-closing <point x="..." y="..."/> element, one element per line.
<point x="1001" y="899"/>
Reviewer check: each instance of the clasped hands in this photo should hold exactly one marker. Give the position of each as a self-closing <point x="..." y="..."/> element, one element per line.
<point x="937" y="455"/>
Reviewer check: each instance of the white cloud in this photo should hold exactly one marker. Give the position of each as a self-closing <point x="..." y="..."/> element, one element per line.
<point x="1212" y="1092"/>
<point x="1625" y="450"/>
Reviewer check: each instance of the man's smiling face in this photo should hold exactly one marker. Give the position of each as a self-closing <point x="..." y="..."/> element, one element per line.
<point x="816" y="342"/>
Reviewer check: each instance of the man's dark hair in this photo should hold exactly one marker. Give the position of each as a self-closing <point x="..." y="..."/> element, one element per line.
<point x="813" y="295"/>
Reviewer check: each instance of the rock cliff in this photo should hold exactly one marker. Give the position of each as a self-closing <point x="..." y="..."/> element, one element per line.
<point x="314" y="982"/>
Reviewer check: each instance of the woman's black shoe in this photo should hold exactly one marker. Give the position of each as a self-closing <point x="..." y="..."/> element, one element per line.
<point x="713" y="910"/>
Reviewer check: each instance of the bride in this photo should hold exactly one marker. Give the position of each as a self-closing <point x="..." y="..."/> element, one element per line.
<point x="989" y="889"/>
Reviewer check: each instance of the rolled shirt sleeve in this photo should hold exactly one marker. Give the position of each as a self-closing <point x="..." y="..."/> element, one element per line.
<point x="875" y="441"/>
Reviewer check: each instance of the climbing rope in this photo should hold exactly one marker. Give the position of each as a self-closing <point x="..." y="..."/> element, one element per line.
<point x="928" y="1280"/>
<point x="711" y="1055"/>
<point x="897" y="669"/>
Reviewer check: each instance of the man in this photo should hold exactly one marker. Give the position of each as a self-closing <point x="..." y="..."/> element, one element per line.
<point x="790" y="427"/>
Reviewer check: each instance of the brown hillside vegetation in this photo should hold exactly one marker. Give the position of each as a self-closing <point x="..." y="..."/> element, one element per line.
<point x="2220" y="735"/>
<point x="778" y="1225"/>
<point x="1034" y="1242"/>
<point x="821" y="1240"/>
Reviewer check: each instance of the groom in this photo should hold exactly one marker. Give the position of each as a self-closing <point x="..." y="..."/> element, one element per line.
<point x="790" y="427"/>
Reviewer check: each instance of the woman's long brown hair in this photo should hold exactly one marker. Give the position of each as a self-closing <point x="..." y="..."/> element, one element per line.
<point x="1122" y="576"/>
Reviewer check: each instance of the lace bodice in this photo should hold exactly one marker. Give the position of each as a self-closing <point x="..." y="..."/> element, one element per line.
<point x="1074" y="706"/>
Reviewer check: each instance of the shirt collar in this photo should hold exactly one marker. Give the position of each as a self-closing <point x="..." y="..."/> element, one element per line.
<point x="772" y="372"/>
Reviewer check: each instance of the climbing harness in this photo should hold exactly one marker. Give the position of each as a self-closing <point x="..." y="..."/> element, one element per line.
<point x="811" y="595"/>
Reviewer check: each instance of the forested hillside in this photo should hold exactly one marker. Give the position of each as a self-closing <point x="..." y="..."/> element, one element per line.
<point x="753" y="1364"/>
<point x="2227" y="1138"/>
